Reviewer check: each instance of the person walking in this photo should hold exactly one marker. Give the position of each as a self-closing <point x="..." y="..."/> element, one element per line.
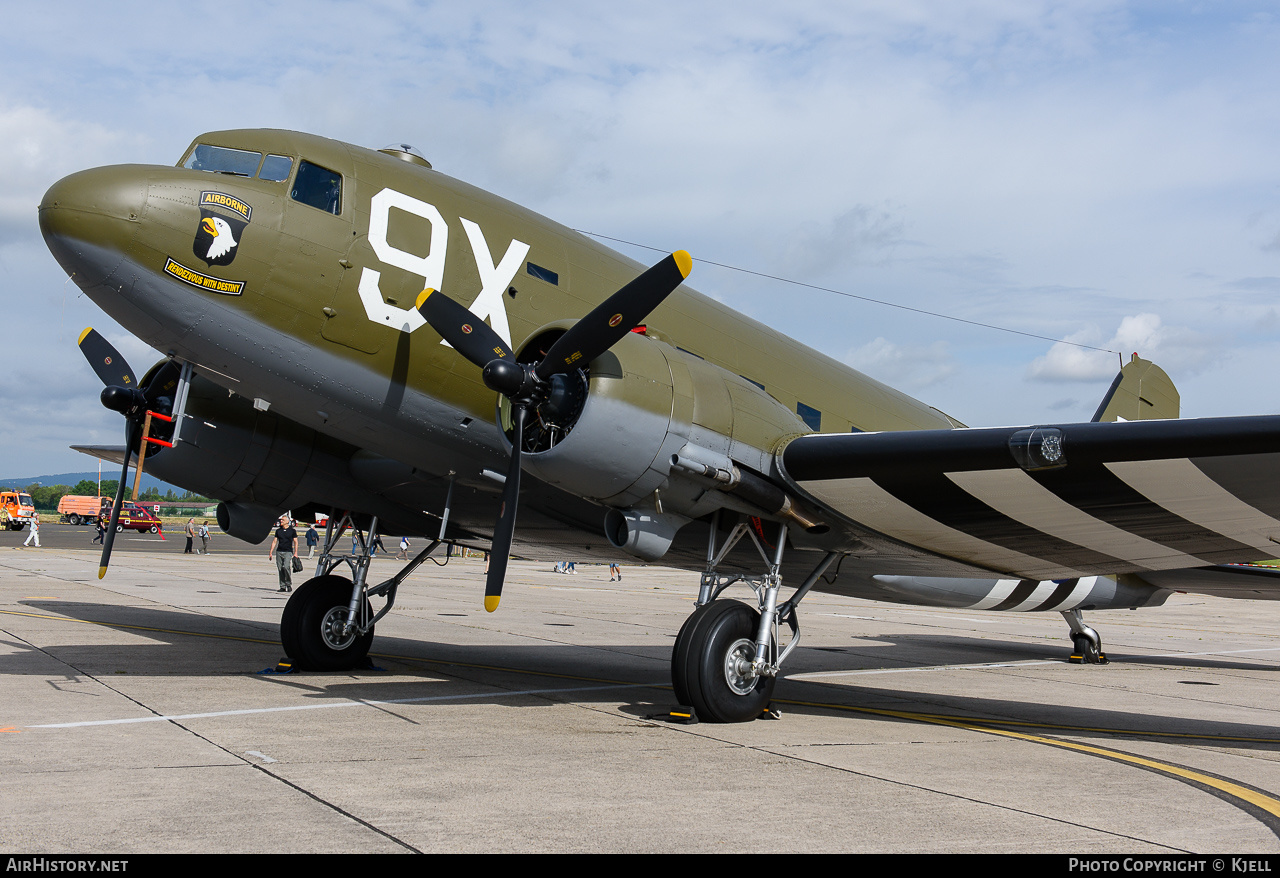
<point x="35" y="531"/>
<point x="313" y="537"/>
<point x="284" y="548"/>
<point x="404" y="549"/>
<point x="191" y="535"/>
<point x="614" y="569"/>
<point x="203" y="533"/>
<point x="101" y="525"/>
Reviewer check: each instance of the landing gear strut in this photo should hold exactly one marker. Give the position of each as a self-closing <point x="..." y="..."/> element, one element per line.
<point x="328" y="622"/>
<point x="1086" y="641"/>
<point x="725" y="661"/>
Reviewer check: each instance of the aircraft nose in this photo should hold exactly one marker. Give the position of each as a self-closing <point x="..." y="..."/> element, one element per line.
<point x="89" y="219"/>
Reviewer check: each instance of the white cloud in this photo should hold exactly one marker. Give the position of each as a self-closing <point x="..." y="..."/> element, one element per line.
<point x="907" y="366"/>
<point x="37" y="147"/>
<point x="1171" y="347"/>
<point x="990" y="159"/>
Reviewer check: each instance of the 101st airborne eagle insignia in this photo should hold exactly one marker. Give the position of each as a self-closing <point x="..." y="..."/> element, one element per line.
<point x="217" y="238"/>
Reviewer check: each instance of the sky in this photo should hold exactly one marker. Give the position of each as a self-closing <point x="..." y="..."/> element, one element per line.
<point x="1102" y="173"/>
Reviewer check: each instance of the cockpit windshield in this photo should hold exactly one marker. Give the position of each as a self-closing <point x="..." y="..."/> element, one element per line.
<point x="276" y="168"/>
<point x="238" y="162"/>
<point x="222" y="160"/>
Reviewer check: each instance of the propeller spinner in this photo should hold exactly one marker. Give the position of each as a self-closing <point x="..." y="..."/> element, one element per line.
<point x="531" y="385"/>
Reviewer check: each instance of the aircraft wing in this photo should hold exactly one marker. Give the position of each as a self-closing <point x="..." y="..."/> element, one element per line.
<point x="1059" y="501"/>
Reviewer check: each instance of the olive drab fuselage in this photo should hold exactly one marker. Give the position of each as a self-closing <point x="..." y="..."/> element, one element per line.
<point x="306" y="295"/>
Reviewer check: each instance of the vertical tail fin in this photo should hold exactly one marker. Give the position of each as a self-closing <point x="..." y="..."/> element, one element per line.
<point x="1141" y="392"/>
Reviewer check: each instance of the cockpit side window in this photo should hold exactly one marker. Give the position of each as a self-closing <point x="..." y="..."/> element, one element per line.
<point x="223" y="160"/>
<point x="318" y="187"/>
<point x="276" y="168"/>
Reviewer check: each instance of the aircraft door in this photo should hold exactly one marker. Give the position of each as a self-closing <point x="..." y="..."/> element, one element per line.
<point x="345" y="318"/>
<point x="315" y="235"/>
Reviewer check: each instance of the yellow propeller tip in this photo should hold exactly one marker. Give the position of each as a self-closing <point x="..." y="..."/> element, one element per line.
<point x="684" y="262"/>
<point x="87" y="330"/>
<point x="491" y="602"/>
<point x="422" y="297"/>
<point x="102" y="571"/>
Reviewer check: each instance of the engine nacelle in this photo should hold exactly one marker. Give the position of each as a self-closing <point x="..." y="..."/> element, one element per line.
<point x="646" y="401"/>
<point x="620" y="446"/>
<point x="260" y="465"/>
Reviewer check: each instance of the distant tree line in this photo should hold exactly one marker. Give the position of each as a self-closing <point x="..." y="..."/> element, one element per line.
<point x="46" y="497"/>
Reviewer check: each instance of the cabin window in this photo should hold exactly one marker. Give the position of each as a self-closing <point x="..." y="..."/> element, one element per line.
<point x="810" y="416"/>
<point x="318" y="187"/>
<point x="276" y="168"/>
<point x="545" y="275"/>
<point x="223" y="160"/>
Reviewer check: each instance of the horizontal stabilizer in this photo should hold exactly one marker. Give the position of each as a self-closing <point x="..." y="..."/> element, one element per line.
<point x="109" y="453"/>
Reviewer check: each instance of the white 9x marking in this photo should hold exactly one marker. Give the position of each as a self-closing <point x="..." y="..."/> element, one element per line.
<point x="494" y="278"/>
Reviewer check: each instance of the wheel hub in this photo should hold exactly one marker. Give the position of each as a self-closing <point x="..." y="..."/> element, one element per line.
<point x="331" y="629"/>
<point x="738" y="672"/>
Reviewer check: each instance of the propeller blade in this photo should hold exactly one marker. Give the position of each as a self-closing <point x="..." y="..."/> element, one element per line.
<point x="615" y="316"/>
<point x="469" y="335"/>
<point x="500" y="551"/>
<point x="133" y="433"/>
<point x="107" y="364"/>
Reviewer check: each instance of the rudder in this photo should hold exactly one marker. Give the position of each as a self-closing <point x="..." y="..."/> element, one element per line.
<point x="1142" y="391"/>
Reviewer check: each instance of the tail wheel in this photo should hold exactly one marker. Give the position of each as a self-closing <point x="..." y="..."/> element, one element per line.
<point x="311" y="627"/>
<point x="711" y="664"/>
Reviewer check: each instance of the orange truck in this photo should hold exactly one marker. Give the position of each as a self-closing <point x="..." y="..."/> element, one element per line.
<point x="16" y="509"/>
<point x="81" y="508"/>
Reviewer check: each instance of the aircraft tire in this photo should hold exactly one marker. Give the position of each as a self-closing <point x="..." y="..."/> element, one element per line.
<point x="721" y="629"/>
<point x="680" y="658"/>
<point x="306" y="632"/>
<point x="1086" y="649"/>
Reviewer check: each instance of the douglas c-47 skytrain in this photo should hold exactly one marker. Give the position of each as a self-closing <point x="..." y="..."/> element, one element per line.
<point x="352" y="332"/>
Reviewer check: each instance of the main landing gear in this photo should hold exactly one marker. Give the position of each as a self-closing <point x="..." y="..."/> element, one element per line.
<point x="1086" y="641"/>
<point x="328" y="622"/>
<point x="725" y="661"/>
